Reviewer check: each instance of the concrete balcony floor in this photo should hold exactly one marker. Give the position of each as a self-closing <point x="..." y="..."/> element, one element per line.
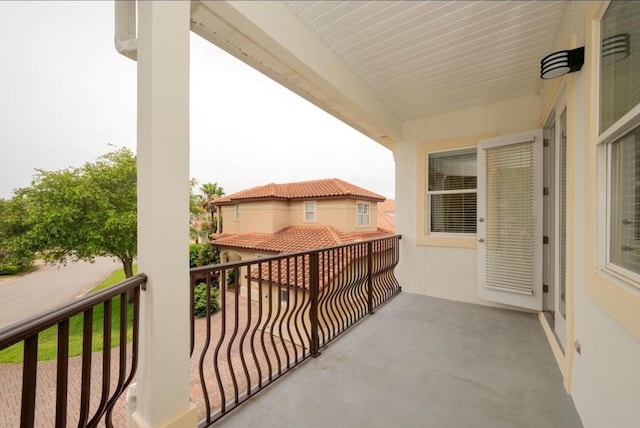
<point x="422" y="362"/>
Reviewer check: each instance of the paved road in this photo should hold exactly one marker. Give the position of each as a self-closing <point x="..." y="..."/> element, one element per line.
<point x="48" y="287"/>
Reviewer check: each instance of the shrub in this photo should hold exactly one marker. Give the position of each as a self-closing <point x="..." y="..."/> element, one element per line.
<point x="200" y="300"/>
<point x="9" y="269"/>
<point x="208" y="255"/>
<point x="231" y="277"/>
<point x="194" y="251"/>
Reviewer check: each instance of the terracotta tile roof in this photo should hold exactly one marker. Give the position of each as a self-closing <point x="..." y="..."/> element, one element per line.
<point x="301" y="238"/>
<point x="294" y="238"/>
<point x="249" y="240"/>
<point x="327" y="188"/>
<point x="296" y="272"/>
<point x="388" y="206"/>
<point x="386" y="222"/>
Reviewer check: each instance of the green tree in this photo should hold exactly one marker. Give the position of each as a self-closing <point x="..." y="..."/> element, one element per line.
<point x="16" y="253"/>
<point x="83" y="213"/>
<point x="209" y="193"/>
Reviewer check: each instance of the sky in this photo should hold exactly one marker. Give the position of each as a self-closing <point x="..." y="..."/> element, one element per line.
<point x="67" y="97"/>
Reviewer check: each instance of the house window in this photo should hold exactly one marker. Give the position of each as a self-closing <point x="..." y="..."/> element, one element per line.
<point x="236" y="212"/>
<point x="619" y="139"/>
<point x="284" y="294"/>
<point x="452" y="191"/>
<point x="363" y="216"/>
<point x="309" y="211"/>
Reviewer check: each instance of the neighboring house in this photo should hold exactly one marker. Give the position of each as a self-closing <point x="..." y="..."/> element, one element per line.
<point x="277" y="218"/>
<point x="293" y="217"/>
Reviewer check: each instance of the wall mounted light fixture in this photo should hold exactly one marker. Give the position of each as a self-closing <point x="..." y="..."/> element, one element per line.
<point x="615" y="48"/>
<point x="562" y="62"/>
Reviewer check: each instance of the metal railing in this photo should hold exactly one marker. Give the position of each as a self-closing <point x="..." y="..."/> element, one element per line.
<point x="277" y="312"/>
<point x="95" y="404"/>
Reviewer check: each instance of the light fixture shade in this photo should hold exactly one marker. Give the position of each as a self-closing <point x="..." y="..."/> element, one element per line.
<point x="561" y="62"/>
<point x="615" y="48"/>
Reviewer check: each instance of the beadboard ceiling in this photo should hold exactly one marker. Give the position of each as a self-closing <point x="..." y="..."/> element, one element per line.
<point x="416" y="58"/>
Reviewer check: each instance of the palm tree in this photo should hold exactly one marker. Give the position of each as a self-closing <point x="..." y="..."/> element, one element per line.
<point x="210" y="192"/>
<point x="195" y="212"/>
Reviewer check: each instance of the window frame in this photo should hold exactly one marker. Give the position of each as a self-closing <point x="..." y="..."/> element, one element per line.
<point x="364" y="216"/>
<point x="605" y="140"/>
<point x="429" y="193"/>
<point x="236" y="212"/>
<point x="305" y="211"/>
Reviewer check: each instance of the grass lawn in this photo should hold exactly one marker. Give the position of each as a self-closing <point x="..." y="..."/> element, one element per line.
<point x="48" y="339"/>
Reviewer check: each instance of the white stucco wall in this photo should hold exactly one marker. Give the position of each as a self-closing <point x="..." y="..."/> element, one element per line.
<point x="446" y="272"/>
<point x="604" y="377"/>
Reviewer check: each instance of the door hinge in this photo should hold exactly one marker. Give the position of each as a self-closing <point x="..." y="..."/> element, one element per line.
<point x="545" y="288"/>
<point x="545" y="191"/>
<point x="545" y="142"/>
<point x="545" y="239"/>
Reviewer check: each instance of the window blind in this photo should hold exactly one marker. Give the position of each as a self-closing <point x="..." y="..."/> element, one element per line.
<point x="625" y="202"/>
<point x="452" y="188"/>
<point x="510" y="236"/>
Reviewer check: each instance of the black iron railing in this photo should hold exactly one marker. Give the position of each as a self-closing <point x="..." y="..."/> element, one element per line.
<point x="275" y="312"/>
<point x="91" y="400"/>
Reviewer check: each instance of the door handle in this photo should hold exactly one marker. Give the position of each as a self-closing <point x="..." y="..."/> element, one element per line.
<point x="481" y="240"/>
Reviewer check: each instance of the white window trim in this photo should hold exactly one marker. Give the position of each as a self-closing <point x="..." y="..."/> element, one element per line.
<point x="367" y="217"/>
<point x="304" y="211"/>
<point x="236" y="212"/>
<point x="604" y="140"/>
<point x="444" y="192"/>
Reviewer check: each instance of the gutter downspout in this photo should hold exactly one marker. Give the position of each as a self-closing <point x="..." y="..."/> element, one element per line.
<point x="125" y="28"/>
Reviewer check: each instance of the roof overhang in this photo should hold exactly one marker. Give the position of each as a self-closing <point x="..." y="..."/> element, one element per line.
<point x="375" y="65"/>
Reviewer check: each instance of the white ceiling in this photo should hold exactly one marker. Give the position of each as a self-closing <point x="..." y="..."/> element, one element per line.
<point x="417" y="58"/>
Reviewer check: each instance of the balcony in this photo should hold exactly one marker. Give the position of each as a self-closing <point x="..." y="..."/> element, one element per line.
<point x="405" y="359"/>
<point x="423" y="361"/>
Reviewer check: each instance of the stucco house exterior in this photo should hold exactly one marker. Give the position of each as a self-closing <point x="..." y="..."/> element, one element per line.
<point x="276" y="218"/>
<point x="291" y="217"/>
<point x="512" y="191"/>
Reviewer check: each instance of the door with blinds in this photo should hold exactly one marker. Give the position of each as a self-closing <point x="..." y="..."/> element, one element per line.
<point x="510" y="219"/>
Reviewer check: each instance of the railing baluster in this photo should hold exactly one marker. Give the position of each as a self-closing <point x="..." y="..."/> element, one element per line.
<point x="207" y="343"/>
<point x="122" y="357"/>
<point x="314" y="281"/>
<point x="370" y="277"/>
<point x="232" y="339"/>
<point x="106" y="363"/>
<point x="289" y="312"/>
<point x="223" y="316"/>
<point x="275" y="318"/>
<point x="281" y="319"/>
<point x="29" y="380"/>
<point x="255" y="328"/>
<point x="246" y="330"/>
<point x="62" y="374"/>
<point x="85" y="390"/>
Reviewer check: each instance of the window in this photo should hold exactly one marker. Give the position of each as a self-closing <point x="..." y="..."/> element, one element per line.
<point x="309" y="211"/>
<point x="452" y="191"/>
<point x="284" y="294"/>
<point x="363" y="217"/>
<point x="619" y="138"/>
<point x="236" y="211"/>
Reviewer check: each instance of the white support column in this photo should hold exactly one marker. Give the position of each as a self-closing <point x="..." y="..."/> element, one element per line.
<point x="163" y="215"/>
